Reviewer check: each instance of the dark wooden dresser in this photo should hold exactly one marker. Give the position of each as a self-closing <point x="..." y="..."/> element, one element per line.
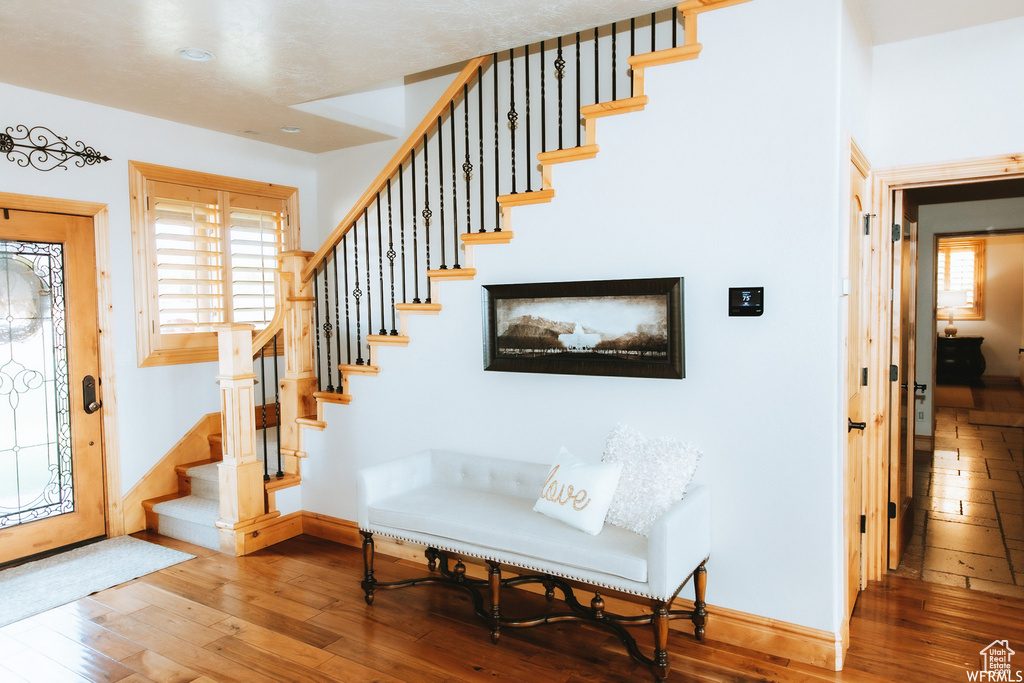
<point x="958" y="360"/>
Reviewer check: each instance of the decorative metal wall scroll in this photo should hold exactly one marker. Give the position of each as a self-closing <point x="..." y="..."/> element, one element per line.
<point x="44" y="150"/>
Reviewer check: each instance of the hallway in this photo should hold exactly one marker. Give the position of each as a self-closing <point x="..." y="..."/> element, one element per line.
<point x="969" y="496"/>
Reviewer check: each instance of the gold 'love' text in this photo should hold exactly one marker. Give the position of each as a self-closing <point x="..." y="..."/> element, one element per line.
<point x="564" y="495"/>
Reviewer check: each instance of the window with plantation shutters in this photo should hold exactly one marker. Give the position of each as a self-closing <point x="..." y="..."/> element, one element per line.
<point x="207" y="252"/>
<point x="960" y="266"/>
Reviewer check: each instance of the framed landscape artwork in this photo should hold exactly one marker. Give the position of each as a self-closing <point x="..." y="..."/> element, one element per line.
<point x="625" y="328"/>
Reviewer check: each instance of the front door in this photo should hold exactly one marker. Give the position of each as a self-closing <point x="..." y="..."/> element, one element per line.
<point x="902" y="394"/>
<point x="51" y="452"/>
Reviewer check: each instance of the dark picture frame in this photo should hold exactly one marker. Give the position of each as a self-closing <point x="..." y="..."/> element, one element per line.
<point x="621" y="328"/>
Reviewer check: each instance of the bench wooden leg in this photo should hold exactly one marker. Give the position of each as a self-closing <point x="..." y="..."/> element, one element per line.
<point x="700" y="612"/>
<point x="368" y="580"/>
<point x="660" y="621"/>
<point x="494" y="583"/>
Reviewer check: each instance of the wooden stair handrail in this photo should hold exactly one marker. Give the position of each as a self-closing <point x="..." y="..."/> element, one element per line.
<point x="276" y="323"/>
<point x="454" y="90"/>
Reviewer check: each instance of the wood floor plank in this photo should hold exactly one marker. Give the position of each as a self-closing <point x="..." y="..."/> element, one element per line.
<point x="202" y="623"/>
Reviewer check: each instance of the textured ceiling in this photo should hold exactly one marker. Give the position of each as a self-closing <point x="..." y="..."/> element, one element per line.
<point x="271" y="54"/>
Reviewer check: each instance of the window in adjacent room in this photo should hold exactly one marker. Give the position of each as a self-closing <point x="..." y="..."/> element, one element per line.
<point x="960" y="266"/>
<point x="206" y="253"/>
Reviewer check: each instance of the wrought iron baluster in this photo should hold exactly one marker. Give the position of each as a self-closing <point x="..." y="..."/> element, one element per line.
<point x="316" y="327"/>
<point x="467" y="165"/>
<point x="415" y="236"/>
<point x="427" y="213"/>
<point x="440" y="187"/>
<point x="543" y="102"/>
<point x="529" y="153"/>
<point x="632" y="51"/>
<point x="357" y="294"/>
<point x="401" y="225"/>
<point x="512" y="115"/>
<point x="380" y="266"/>
<point x="559" y="72"/>
<point x="654" y="25"/>
<point x="597" y="70"/>
<point x="348" y="316"/>
<point x="480" y="138"/>
<point x="455" y="189"/>
<point x="391" y="259"/>
<point x="328" y="329"/>
<point x="615" y="75"/>
<point x="337" y="310"/>
<point x="576" y="113"/>
<point x="369" y="287"/>
<point x="675" y="23"/>
<point x="263" y="391"/>
<point x="277" y="410"/>
<point x="497" y="156"/>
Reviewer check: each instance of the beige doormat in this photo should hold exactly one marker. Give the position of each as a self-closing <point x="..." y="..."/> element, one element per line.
<point x="986" y="417"/>
<point x="954" y="397"/>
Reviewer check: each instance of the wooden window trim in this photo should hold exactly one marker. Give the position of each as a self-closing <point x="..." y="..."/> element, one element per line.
<point x="977" y="311"/>
<point x="154" y="349"/>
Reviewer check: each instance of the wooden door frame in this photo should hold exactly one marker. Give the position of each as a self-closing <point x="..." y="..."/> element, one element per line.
<point x="885" y="182"/>
<point x="101" y="233"/>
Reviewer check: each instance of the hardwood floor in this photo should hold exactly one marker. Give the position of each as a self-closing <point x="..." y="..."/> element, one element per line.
<point x="294" y="612"/>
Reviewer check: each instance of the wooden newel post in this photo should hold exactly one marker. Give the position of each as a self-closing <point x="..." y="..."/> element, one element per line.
<point x="241" y="474"/>
<point x="299" y="381"/>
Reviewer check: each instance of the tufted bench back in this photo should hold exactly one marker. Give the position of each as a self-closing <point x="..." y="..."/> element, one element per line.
<point x="512" y="477"/>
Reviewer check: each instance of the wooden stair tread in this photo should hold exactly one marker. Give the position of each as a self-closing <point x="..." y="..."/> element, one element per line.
<point x="184" y="467"/>
<point x="613" y="107"/>
<point x="496" y="237"/>
<point x="419" y="308"/>
<point x="312" y="422"/>
<point x="148" y="504"/>
<point x="387" y="339"/>
<point x="348" y="369"/>
<point x="561" y="156"/>
<point x="452" y="274"/>
<point x="278" y="483"/>
<point x="526" y="198"/>
<point x="333" y="397"/>
<point x="668" y="56"/>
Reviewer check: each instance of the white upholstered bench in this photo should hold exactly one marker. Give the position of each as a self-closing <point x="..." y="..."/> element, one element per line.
<point x="473" y="506"/>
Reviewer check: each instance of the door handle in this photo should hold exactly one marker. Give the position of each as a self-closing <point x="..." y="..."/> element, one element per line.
<point x="89" y="400"/>
<point x="851" y="425"/>
<point x="920" y="387"/>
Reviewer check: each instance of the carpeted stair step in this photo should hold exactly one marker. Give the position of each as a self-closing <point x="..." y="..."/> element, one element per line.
<point x="192" y="519"/>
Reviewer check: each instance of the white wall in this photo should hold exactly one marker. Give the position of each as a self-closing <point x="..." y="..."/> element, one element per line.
<point x="729" y="178"/>
<point x="950" y="96"/>
<point x="156" y="406"/>
<point x="1002" y="309"/>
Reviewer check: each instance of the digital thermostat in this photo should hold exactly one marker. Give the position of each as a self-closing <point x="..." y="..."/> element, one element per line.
<point x="746" y="300"/>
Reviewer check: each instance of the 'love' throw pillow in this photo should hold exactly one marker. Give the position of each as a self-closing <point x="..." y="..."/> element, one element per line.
<point x="579" y="493"/>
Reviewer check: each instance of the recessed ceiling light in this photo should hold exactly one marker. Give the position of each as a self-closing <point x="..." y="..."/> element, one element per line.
<point x="195" y="54"/>
<point x="290" y="129"/>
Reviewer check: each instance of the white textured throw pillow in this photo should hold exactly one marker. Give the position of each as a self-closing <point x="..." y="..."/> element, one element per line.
<point x="655" y="473"/>
<point x="578" y="493"/>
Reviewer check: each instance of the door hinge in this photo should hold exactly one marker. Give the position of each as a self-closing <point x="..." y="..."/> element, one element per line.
<point x="863" y="524"/>
<point x="892" y="510"/>
<point x="7" y="215"/>
<point x="863" y="377"/>
<point x="147" y="203"/>
<point x="897" y="232"/>
<point x="894" y="373"/>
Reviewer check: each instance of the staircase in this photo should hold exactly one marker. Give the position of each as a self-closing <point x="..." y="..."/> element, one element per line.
<point x="488" y="145"/>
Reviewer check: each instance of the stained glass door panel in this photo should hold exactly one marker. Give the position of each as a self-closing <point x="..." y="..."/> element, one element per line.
<point x="50" y="451"/>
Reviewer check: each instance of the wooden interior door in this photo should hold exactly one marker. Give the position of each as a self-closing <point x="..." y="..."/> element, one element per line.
<point x="856" y="391"/>
<point x="51" y="450"/>
<point x="902" y="394"/>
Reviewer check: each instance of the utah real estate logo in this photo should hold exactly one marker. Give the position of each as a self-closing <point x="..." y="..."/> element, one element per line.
<point x="995" y="664"/>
